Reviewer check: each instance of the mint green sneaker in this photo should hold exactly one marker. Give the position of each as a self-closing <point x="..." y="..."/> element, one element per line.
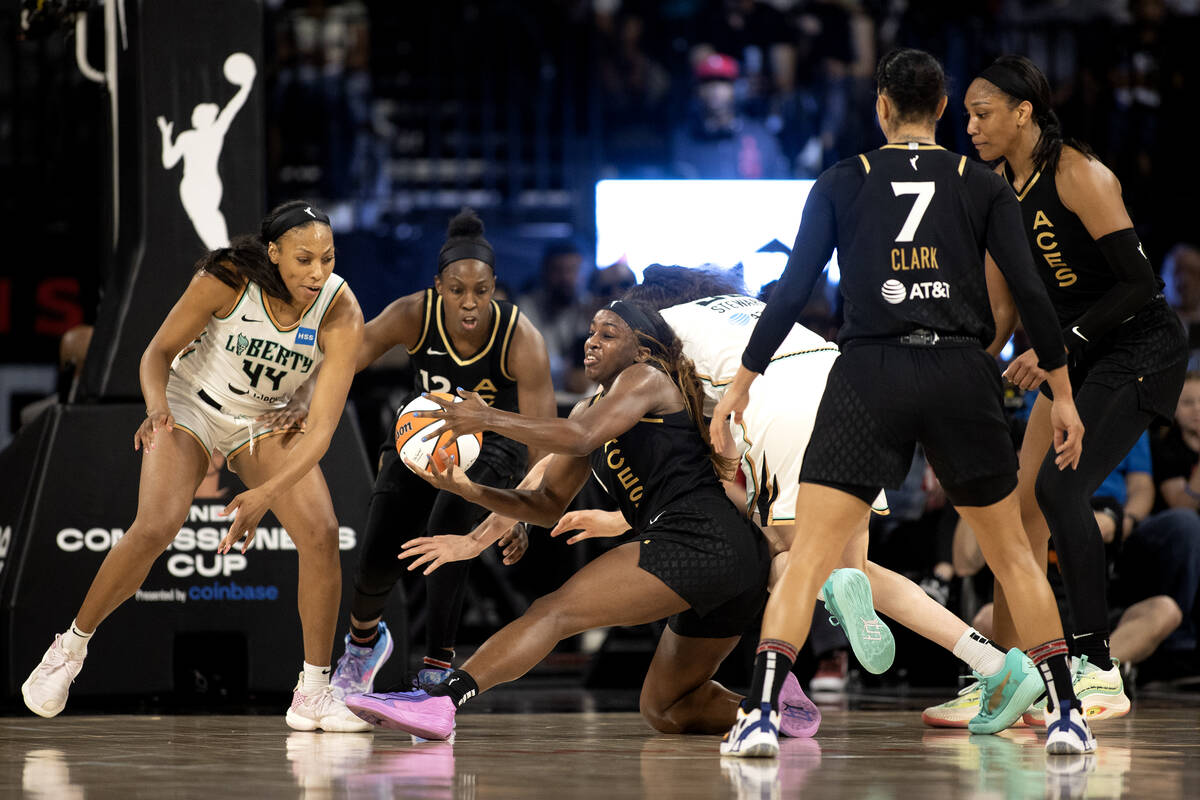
<point x="848" y="599"/>
<point x="1007" y="694"/>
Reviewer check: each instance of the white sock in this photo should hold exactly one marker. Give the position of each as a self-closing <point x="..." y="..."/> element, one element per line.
<point x="75" y="641"/>
<point x="980" y="654"/>
<point x="315" y="678"/>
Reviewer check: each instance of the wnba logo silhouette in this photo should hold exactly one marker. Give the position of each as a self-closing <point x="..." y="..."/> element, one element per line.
<point x="200" y="190"/>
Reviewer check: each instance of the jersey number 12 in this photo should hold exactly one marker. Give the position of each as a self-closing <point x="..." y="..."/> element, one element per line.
<point x="924" y="192"/>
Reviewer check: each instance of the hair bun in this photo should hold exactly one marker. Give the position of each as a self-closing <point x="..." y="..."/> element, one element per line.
<point x="466" y="223"/>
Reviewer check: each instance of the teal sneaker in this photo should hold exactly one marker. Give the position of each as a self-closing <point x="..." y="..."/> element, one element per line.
<point x="848" y="599"/>
<point x="1007" y="694"/>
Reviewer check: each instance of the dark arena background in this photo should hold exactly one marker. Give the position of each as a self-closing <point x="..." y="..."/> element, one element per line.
<point x="584" y="134"/>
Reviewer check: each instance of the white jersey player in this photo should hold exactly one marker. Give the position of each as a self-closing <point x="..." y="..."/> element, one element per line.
<point x="254" y="322"/>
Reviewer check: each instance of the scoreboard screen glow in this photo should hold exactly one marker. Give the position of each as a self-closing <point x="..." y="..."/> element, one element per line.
<point x="695" y="223"/>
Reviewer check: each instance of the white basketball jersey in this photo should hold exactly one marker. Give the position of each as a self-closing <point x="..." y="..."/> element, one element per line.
<point x="248" y="362"/>
<point x="715" y="331"/>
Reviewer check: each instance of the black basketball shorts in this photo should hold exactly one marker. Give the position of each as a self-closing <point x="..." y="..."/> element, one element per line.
<point x="883" y="398"/>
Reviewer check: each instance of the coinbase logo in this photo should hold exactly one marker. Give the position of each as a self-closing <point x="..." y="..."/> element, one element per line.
<point x="893" y="291"/>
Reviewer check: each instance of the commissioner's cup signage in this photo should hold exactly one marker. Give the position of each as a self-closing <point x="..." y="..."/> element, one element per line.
<point x="76" y="479"/>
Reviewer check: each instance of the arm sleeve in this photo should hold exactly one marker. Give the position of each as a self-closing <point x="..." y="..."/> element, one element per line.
<point x="1007" y="243"/>
<point x="814" y="245"/>
<point x="1135" y="285"/>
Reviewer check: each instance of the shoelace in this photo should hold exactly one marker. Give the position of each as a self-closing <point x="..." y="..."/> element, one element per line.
<point x="354" y="665"/>
<point x="59" y="656"/>
<point x="320" y="700"/>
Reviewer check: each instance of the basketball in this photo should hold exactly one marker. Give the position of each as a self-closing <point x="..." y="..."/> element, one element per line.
<point x="239" y="69"/>
<point x="410" y="429"/>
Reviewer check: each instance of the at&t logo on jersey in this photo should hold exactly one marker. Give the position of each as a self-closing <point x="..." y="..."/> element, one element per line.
<point x="895" y="292"/>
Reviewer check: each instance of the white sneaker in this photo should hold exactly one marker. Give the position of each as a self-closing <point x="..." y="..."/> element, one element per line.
<point x="322" y="710"/>
<point x="755" y="734"/>
<point x="1068" y="734"/>
<point x="45" y="690"/>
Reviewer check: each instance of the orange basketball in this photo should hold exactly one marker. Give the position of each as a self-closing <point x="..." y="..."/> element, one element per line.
<point x="410" y="429"/>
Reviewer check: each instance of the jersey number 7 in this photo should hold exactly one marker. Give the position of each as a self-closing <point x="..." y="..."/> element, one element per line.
<point x="924" y="192"/>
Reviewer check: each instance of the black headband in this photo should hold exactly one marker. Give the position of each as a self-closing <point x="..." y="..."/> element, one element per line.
<point x="1008" y="81"/>
<point x="293" y="218"/>
<point x="638" y="320"/>
<point x="479" y="251"/>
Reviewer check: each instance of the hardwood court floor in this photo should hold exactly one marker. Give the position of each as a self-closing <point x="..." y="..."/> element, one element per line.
<point x="1152" y="753"/>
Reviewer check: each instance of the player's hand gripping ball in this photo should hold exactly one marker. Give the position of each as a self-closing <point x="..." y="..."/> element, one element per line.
<point x="411" y="429"/>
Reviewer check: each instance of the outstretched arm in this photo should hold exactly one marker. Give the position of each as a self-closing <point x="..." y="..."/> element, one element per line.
<point x="204" y="296"/>
<point x="563" y="478"/>
<point x="636" y="392"/>
<point x="444" y="548"/>
<point x="341" y="334"/>
<point x="400" y="323"/>
<point x="171" y="152"/>
<point x="225" y="118"/>
<point x="529" y="363"/>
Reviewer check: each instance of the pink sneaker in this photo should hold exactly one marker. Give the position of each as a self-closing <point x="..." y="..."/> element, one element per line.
<point x="415" y="712"/>
<point x="799" y="717"/>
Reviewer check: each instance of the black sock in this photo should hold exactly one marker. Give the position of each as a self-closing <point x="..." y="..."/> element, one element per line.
<point x="365" y="636"/>
<point x="1094" y="645"/>
<point x="458" y="686"/>
<point x="772" y="662"/>
<point x="1051" y="660"/>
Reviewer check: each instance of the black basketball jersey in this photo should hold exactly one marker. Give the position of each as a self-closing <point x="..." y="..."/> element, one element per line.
<point x="1073" y="269"/>
<point x="653" y="464"/>
<point x="438" y="367"/>
<point x="910" y="223"/>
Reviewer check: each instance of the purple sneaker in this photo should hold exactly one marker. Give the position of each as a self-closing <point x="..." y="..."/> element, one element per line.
<point x="358" y="666"/>
<point x="415" y="712"/>
<point x="798" y="716"/>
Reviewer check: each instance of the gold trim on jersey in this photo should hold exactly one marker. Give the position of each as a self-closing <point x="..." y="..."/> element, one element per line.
<point x="191" y="347"/>
<point x="262" y="300"/>
<point x="512" y="326"/>
<point x="196" y="436"/>
<point x="241" y="294"/>
<point x="425" y="326"/>
<point x="651" y="419"/>
<point x="909" y="146"/>
<point x="1028" y="185"/>
<point x="962" y="164"/>
<point x="321" y="321"/>
<point x="866" y="164"/>
<point x="257" y="438"/>
<point x="464" y="362"/>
